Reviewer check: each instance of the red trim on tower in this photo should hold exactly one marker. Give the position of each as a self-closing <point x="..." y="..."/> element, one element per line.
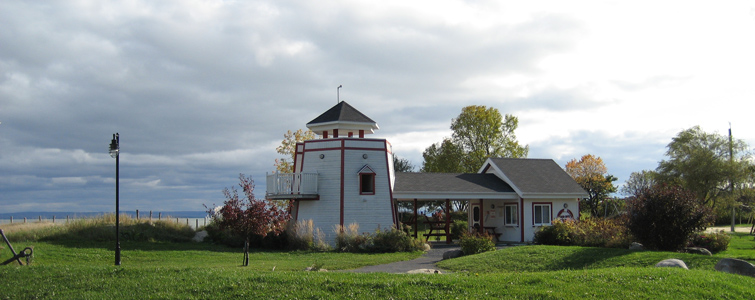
<point x="343" y="164"/>
<point x="351" y="134"/>
<point x="361" y="133"/>
<point x="296" y="154"/>
<point x="390" y="190"/>
<point x="325" y="134"/>
<point x="335" y="133"/>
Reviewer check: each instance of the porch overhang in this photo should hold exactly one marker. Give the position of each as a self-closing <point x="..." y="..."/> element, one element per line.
<point x="431" y="196"/>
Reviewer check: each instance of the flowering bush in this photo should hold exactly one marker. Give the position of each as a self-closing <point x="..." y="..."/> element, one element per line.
<point x="714" y="242"/>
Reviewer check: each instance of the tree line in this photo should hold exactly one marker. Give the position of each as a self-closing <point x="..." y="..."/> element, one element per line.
<point x="715" y="168"/>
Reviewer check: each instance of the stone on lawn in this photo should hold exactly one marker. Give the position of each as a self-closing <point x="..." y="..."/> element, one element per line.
<point x="673" y="263"/>
<point x="424" y="271"/>
<point x="453" y="254"/>
<point x="698" y="250"/>
<point x="736" y="266"/>
<point x="636" y="246"/>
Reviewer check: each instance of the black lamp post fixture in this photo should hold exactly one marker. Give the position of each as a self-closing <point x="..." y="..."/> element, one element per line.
<point x="115" y="149"/>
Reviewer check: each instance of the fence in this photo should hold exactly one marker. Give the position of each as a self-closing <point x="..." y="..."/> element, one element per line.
<point x="191" y="222"/>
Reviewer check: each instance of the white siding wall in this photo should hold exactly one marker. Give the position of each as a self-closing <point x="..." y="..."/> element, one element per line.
<point x="514" y="233"/>
<point x="324" y="212"/>
<point x="556" y="206"/>
<point x="369" y="211"/>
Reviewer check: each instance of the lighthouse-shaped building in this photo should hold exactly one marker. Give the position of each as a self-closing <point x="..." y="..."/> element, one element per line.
<point x="341" y="177"/>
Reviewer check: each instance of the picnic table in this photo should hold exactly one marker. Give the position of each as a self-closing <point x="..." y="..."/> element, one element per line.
<point x="491" y="231"/>
<point x="437" y="228"/>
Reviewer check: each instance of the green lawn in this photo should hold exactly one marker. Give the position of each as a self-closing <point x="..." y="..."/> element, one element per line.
<point x="74" y="270"/>
<point x="139" y="255"/>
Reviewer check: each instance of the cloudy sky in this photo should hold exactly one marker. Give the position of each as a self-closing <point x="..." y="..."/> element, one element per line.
<point x="201" y="91"/>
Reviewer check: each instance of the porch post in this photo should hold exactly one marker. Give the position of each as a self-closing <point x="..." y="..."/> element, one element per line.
<point x="448" y="221"/>
<point x="482" y="217"/>
<point x="415" y="218"/>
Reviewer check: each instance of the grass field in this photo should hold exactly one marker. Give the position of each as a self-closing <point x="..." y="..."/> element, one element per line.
<point x="164" y="270"/>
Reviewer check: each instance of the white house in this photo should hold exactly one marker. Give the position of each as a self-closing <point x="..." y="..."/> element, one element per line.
<point x="508" y="197"/>
<point x="343" y="178"/>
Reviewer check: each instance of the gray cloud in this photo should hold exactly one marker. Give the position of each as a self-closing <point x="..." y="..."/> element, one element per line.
<point x="204" y="92"/>
<point x="623" y="154"/>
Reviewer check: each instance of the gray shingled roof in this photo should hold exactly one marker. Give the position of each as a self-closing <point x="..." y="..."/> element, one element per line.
<point x="342" y="112"/>
<point x="537" y="176"/>
<point x="450" y="182"/>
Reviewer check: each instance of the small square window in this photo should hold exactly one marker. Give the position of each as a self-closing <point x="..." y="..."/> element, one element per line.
<point x="367" y="184"/>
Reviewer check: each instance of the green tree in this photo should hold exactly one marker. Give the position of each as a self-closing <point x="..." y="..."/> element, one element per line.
<point x="479" y="132"/>
<point x="402" y="165"/>
<point x="443" y="157"/>
<point x="591" y="173"/>
<point x="638" y="182"/>
<point x="288" y="149"/>
<point x="482" y="132"/>
<point x="699" y="162"/>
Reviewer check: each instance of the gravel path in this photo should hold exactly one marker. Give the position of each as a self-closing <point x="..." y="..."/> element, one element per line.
<point x="426" y="261"/>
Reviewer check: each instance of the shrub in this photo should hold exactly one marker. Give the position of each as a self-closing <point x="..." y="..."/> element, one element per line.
<point x="394" y="240"/>
<point x="304" y="236"/>
<point x="594" y="232"/>
<point x="458" y="228"/>
<point x="559" y="233"/>
<point x="714" y="242"/>
<point x="348" y="238"/>
<point x="227" y="236"/>
<point x="476" y="243"/>
<point x="665" y="217"/>
<point x="223" y="236"/>
<point x="600" y="232"/>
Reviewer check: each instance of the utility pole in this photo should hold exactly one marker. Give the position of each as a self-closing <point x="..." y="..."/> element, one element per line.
<point x="731" y="179"/>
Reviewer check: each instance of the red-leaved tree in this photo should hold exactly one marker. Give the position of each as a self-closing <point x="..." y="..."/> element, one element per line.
<point x="249" y="216"/>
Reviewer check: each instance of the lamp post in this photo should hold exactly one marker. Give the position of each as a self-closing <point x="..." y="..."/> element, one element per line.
<point x="114" y="153"/>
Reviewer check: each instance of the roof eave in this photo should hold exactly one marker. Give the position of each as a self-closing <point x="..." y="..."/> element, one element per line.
<point x="407" y="196"/>
<point x="553" y="195"/>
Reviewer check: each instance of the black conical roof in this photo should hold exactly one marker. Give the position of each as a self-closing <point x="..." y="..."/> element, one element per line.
<point x="342" y="112"/>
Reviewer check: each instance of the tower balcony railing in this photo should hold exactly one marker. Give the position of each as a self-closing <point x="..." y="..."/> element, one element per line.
<point x="292" y="186"/>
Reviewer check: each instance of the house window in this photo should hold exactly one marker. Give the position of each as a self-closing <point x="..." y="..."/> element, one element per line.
<point x="541" y="214"/>
<point x="367" y="184"/>
<point x="510" y="213"/>
<point x="366" y="181"/>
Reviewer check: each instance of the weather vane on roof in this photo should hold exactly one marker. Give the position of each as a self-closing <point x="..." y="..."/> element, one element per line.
<point x="338" y="91"/>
